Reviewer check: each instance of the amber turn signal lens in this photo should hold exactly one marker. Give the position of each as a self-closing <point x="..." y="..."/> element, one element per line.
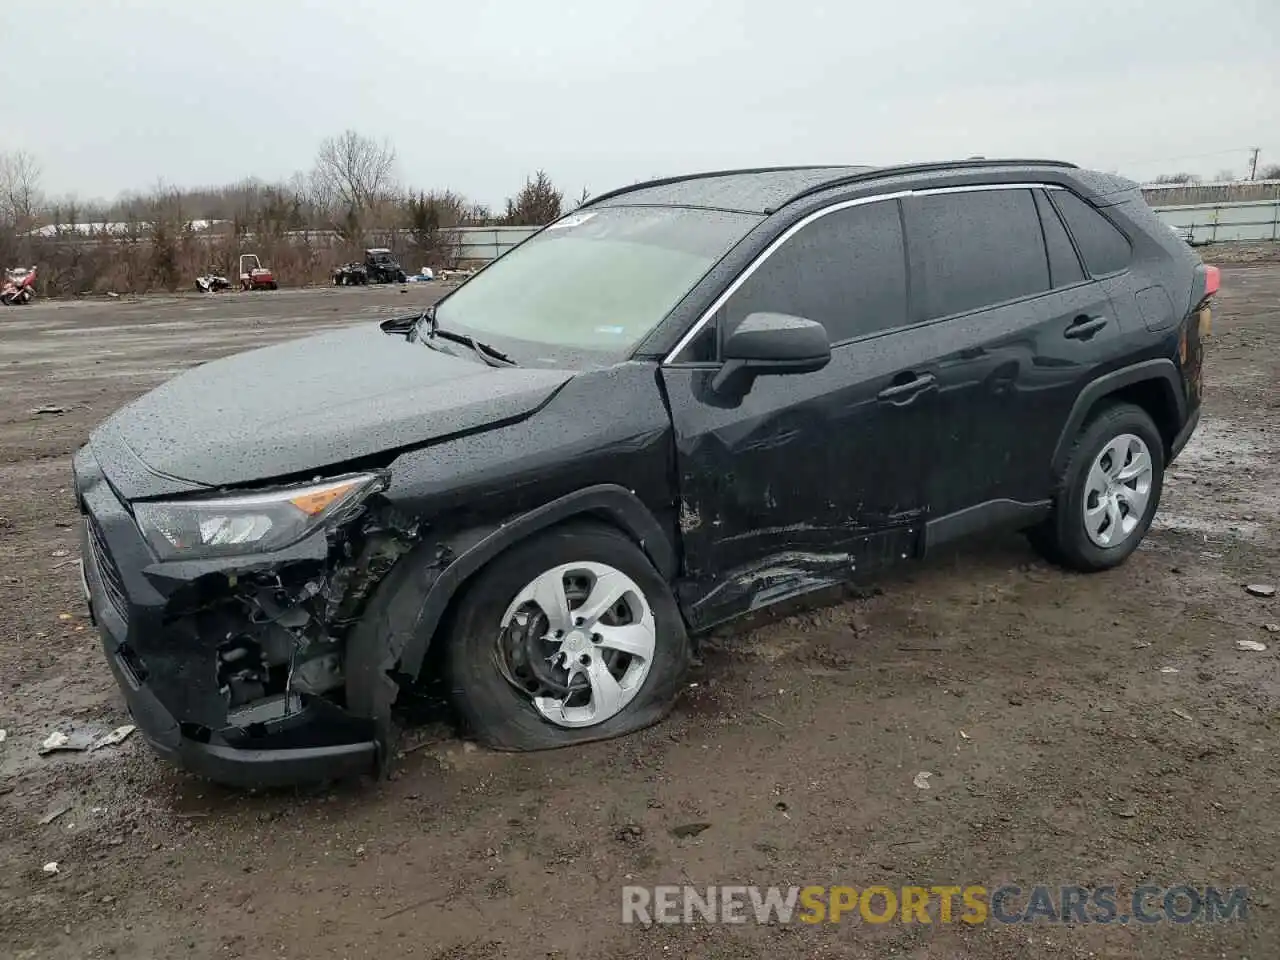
<point x="316" y="501"/>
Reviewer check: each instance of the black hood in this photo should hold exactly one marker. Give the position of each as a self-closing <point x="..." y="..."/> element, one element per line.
<point x="306" y="405"/>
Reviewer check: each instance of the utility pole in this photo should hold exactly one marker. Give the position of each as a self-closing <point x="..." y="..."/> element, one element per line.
<point x="1253" y="164"/>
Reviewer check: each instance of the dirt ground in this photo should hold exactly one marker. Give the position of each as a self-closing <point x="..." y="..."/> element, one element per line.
<point x="1112" y="730"/>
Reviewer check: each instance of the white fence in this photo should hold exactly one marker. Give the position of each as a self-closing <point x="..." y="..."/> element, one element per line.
<point x="489" y="243"/>
<point x="1222" y="222"/>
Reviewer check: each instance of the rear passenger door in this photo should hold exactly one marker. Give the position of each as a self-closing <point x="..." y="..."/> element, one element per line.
<point x="1020" y="325"/>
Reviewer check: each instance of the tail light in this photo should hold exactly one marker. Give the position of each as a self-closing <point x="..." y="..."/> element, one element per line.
<point x="1212" y="280"/>
<point x="1212" y="283"/>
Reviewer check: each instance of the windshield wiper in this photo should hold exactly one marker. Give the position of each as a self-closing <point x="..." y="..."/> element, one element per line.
<point x="494" y="358"/>
<point x="490" y="355"/>
<point x="427" y="316"/>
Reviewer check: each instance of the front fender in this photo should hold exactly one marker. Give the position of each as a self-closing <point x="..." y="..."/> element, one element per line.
<point x="398" y="626"/>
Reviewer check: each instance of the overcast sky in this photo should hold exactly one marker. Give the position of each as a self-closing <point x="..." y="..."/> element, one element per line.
<point x="116" y="94"/>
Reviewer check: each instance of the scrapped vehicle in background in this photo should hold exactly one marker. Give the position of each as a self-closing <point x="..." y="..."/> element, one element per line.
<point x="19" y="286"/>
<point x="254" y="276"/>
<point x="687" y="400"/>
<point x="212" y="282"/>
<point x="379" y="266"/>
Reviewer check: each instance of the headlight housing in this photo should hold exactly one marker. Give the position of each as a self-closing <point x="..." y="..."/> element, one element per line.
<point x="196" y="528"/>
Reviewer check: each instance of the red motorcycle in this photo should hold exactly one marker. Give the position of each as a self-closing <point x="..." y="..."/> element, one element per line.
<point x="19" y="287"/>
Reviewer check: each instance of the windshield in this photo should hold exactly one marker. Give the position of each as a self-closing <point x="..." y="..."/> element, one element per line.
<point x="596" y="281"/>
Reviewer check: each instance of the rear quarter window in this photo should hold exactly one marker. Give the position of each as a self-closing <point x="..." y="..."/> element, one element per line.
<point x="1104" y="248"/>
<point x="1064" y="265"/>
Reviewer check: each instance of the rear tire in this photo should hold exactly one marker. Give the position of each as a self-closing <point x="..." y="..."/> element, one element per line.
<point x="517" y="687"/>
<point x="1109" y="492"/>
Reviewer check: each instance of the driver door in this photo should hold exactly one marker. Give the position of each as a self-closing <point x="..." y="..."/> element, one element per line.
<point x="805" y="480"/>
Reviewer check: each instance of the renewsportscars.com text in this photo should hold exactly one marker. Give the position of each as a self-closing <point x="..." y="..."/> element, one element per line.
<point x="971" y="904"/>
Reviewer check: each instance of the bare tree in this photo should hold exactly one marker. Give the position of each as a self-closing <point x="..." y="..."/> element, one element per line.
<point x="353" y="175"/>
<point x="19" y="205"/>
<point x="537" y="203"/>
<point x="171" y="235"/>
<point x="476" y="215"/>
<point x="1270" y="172"/>
<point x="1224" y="176"/>
<point x="1176" y="178"/>
<point x="19" y="188"/>
<point x="432" y="220"/>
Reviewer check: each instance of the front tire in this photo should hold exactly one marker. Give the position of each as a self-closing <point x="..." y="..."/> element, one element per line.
<point x="1109" y="492"/>
<point x="569" y="637"/>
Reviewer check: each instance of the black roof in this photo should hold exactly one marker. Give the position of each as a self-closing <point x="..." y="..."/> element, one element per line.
<point x="765" y="189"/>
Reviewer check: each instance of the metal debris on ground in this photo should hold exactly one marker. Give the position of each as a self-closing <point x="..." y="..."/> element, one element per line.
<point x="1168" y="669"/>
<point x="1264" y="590"/>
<point x="1182" y="714"/>
<point x="55" y="741"/>
<point x="1253" y="645"/>
<point x="51" y="867"/>
<point x="689" y="830"/>
<point x="1271" y="627"/>
<point x="921" y="780"/>
<point x="53" y="814"/>
<point x="49" y="409"/>
<point x="118" y="735"/>
<point x="73" y="742"/>
<point x="4" y="735"/>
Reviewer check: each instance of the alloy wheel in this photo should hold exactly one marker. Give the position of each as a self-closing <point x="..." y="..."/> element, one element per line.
<point x="579" y="641"/>
<point x="1117" y="489"/>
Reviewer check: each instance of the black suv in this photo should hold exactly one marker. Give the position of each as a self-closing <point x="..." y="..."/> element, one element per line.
<point x="686" y="400"/>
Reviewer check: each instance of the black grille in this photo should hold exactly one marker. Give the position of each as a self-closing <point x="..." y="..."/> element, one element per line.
<point x="108" y="570"/>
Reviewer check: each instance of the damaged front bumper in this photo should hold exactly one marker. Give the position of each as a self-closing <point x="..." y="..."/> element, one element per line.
<point x="229" y="667"/>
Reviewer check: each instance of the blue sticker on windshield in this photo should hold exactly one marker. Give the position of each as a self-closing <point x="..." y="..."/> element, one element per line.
<point x="613" y="330"/>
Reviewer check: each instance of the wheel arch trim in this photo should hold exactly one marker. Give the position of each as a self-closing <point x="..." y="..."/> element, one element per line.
<point x="1161" y="370"/>
<point x="612" y="501"/>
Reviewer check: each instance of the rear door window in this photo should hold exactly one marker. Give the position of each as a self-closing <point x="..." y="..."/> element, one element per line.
<point x="977" y="248"/>
<point x="1064" y="265"/>
<point x="1104" y="248"/>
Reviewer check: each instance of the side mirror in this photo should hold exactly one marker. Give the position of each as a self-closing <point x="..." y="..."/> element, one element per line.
<point x="772" y="343"/>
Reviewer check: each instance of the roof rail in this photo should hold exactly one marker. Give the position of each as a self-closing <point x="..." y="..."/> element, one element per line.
<point x="666" y="181"/>
<point x="880" y="173"/>
<point x="861" y="173"/>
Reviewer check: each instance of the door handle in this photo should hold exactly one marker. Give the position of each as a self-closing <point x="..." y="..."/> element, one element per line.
<point x="1082" y="328"/>
<point x="900" y="392"/>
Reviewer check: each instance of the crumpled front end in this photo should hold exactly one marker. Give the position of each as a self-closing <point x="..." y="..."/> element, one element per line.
<point x="234" y="667"/>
